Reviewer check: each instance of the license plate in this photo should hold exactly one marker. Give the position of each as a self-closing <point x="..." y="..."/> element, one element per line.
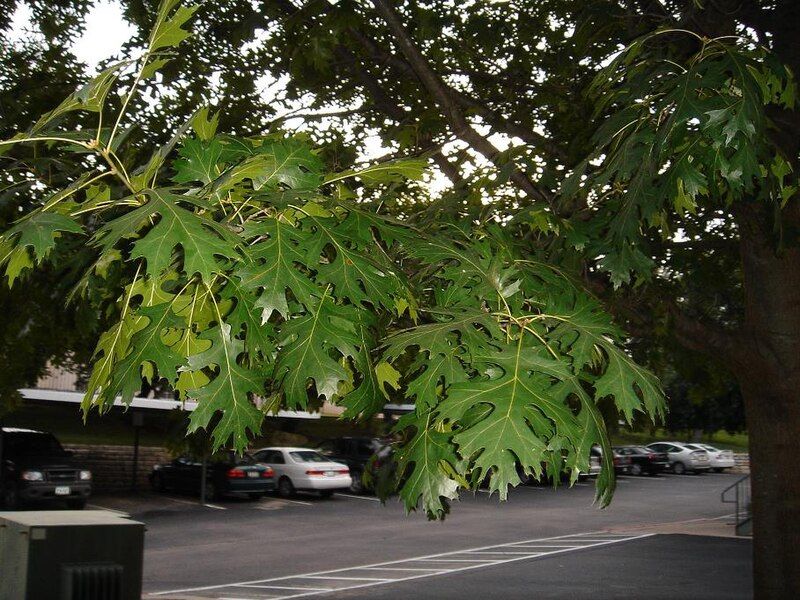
<point x="330" y="473"/>
<point x="252" y="474"/>
<point x="62" y="490"/>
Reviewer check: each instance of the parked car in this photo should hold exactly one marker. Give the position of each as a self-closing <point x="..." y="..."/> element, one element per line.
<point x="305" y="470"/>
<point x="622" y="464"/>
<point x="36" y="468"/>
<point x="595" y="464"/>
<point x="719" y="459"/>
<point x="356" y="453"/>
<point x="683" y="458"/>
<point x="644" y="460"/>
<point x="226" y="473"/>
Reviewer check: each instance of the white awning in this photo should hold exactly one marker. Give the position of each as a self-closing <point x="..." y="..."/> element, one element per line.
<point x="138" y="402"/>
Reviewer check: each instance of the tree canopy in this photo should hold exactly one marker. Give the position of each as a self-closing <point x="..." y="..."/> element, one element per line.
<point x="251" y="278"/>
<point x="634" y="156"/>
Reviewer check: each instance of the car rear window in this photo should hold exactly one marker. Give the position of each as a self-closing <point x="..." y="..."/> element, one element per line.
<point x="308" y="456"/>
<point x="31" y="444"/>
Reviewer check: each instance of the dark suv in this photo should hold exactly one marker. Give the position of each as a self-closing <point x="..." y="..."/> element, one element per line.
<point x="37" y="469"/>
<point x="355" y="452"/>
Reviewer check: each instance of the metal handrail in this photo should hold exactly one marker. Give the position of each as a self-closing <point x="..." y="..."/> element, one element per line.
<point x="741" y="490"/>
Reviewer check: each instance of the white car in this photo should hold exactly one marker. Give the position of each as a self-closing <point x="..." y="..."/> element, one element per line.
<point x="720" y="459"/>
<point x="682" y="458"/>
<point x="305" y="470"/>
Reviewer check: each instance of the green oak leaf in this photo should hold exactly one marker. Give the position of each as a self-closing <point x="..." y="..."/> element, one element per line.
<point x="168" y="31"/>
<point x="385" y="172"/>
<point x="228" y="393"/>
<point x="625" y="381"/>
<point x="245" y="319"/>
<point x="273" y="269"/>
<point x="39" y="232"/>
<point x="199" y="161"/>
<point x="314" y="343"/>
<point x="148" y="350"/>
<point x="354" y="274"/>
<point x="90" y="97"/>
<point x="423" y="462"/>
<point x="201" y="239"/>
<point x="367" y="399"/>
<point x="523" y="415"/>
<point x="270" y="165"/>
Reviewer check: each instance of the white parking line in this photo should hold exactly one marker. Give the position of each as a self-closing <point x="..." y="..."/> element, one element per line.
<point x="358" y="497"/>
<point x="275" y="503"/>
<point x="458" y="560"/>
<point x="345" y="578"/>
<point x="285" y="587"/>
<point x="399" y="569"/>
<point x="506" y="554"/>
<point x="540" y="546"/>
<point x="194" y="503"/>
<point x="98" y="507"/>
<point x="297" y="502"/>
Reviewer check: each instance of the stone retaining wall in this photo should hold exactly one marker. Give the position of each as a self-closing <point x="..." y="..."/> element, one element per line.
<point x="742" y="463"/>
<point x="112" y="466"/>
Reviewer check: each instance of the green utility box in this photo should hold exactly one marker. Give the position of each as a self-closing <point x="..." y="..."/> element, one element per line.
<point x="70" y="555"/>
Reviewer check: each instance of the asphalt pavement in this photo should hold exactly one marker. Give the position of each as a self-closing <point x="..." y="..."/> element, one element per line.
<point x="541" y="543"/>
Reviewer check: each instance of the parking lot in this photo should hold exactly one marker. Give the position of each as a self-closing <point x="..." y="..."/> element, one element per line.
<point x="663" y="537"/>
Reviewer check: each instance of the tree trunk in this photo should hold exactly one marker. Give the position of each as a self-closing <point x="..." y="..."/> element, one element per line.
<point x="769" y="375"/>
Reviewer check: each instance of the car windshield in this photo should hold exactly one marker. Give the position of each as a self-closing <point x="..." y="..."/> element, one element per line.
<point x="31" y="444"/>
<point x="693" y="447"/>
<point x="308" y="456"/>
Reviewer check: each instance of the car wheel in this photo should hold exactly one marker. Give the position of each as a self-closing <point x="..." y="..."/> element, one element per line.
<point x="636" y="469"/>
<point x="255" y="495"/>
<point x="285" y="487"/>
<point x="11" y="497"/>
<point x="326" y="493"/>
<point x="356" y="485"/>
<point x="158" y="483"/>
<point x="79" y="504"/>
<point x="718" y="469"/>
<point x="678" y="468"/>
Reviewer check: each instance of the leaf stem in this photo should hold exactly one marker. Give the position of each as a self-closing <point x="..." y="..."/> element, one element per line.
<point x="45" y="139"/>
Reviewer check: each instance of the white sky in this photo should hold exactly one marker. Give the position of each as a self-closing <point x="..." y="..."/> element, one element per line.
<point x="106" y="31"/>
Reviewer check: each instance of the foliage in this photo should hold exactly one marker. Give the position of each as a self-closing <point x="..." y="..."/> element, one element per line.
<point x="681" y="134"/>
<point x="249" y="282"/>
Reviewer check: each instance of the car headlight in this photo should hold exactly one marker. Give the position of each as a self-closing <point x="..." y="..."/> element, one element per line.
<point x="32" y="476"/>
<point x="85" y="475"/>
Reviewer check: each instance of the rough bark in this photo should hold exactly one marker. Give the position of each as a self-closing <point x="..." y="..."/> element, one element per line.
<point x="769" y="375"/>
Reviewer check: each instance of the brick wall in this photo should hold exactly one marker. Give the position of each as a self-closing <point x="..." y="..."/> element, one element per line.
<point x="112" y="466"/>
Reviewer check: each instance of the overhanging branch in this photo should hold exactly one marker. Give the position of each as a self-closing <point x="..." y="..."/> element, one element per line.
<point x="444" y="98"/>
